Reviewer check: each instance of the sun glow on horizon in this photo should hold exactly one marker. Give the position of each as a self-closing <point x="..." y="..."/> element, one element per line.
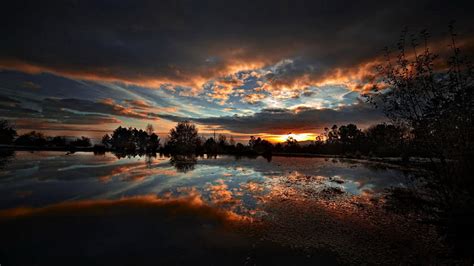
<point x="299" y="137"/>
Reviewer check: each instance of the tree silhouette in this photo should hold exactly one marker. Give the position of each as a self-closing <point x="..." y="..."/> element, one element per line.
<point x="81" y="142"/>
<point x="260" y="146"/>
<point x="386" y="140"/>
<point x="132" y="139"/>
<point x="122" y="139"/>
<point x="32" y="138"/>
<point x="106" y="141"/>
<point x="57" y="141"/>
<point x="433" y="98"/>
<point x="436" y="105"/>
<point x="7" y="132"/>
<point x="292" y="145"/>
<point x="153" y="143"/>
<point x="351" y="138"/>
<point x="141" y="139"/>
<point x="210" y="146"/>
<point x="183" y="139"/>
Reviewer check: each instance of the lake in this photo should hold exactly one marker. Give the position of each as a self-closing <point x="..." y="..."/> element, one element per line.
<point x="83" y="208"/>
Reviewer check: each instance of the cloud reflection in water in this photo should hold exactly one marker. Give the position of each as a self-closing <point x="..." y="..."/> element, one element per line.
<point x="310" y="203"/>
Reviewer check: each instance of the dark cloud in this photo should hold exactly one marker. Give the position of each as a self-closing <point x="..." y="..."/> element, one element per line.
<point x="188" y="41"/>
<point x="53" y="112"/>
<point x="55" y="119"/>
<point x="13" y="108"/>
<point x="105" y="106"/>
<point x="76" y="124"/>
<point x="138" y="104"/>
<point x="282" y="120"/>
<point x="5" y="101"/>
<point x="65" y="109"/>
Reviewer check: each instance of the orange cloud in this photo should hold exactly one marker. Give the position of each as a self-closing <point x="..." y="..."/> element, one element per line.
<point x="220" y="92"/>
<point x="253" y="98"/>
<point x="139" y="104"/>
<point x="191" y="81"/>
<point x="127" y="111"/>
<point x="107" y="75"/>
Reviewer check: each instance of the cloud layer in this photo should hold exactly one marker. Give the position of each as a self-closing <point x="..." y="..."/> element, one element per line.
<point x="243" y="66"/>
<point x="282" y="120"/>
<point x="188" y="43"/>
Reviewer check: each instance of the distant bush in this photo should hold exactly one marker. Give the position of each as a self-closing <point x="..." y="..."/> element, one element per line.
<point x="7" y="132"/>
<point x="32" y="138"/>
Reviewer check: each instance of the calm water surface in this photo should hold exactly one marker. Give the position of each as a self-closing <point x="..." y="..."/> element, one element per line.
<point x="43" y="178"/>
<point x="86" y="209"/>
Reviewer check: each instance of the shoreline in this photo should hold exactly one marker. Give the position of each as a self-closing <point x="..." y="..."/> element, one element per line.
<point x="392" y="160"/>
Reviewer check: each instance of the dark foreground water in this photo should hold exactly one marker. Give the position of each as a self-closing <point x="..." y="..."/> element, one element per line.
<point x="85" y="209"/>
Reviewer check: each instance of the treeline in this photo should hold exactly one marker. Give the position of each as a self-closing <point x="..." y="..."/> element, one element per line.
<point x="219" y="145"/>
<point x="9" y="136"/>
<point x="182" y="139"/>
<point x="381" y="140"/>
<point x="132" y="140"/>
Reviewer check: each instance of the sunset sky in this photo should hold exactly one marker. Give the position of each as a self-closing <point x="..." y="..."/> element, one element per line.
<point x="241" y="68"/>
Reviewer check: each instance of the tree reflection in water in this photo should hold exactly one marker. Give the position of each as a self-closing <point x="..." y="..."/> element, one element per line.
<point x="183" y="163"/>
<point x="6" y="157"/>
